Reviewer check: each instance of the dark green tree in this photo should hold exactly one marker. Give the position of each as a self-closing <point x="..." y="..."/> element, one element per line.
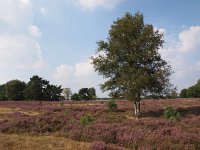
<point x="3" y="93"/>
<point x="35" y="88"/>
<point x="183" y="93"/>
<point x="130" y="60"/>
<point x="84" y="94"/>
<point x="14" y="90"/>
<point x="92" y="93"/>
<point x="87" y="93"/>
<point x="52" y="92"/>
<point x="40" y="89"/>
<point x="191" y="92"/>
<point x="75" y="97"/>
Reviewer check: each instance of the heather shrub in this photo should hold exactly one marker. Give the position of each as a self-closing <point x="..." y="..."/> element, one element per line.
<point x="57" y="109"/>
<point x="86" y="119"/>
<point x="171" y="114"/>
<point x="112" y="105"/>
<point x="66" y="111"/>
<point x="76" y="134"/>
<point x="99" y="145"/>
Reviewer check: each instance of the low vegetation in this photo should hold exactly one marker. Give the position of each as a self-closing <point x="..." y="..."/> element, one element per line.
<point x="39" y="142"/>
<point x="100" y="128"/>
<point x="112" y="105"/>
<point x="171" y="114"/>
<point x="193" y="91"/>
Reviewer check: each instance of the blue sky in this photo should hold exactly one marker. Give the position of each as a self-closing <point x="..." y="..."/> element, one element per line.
<point x="55" y="38"/>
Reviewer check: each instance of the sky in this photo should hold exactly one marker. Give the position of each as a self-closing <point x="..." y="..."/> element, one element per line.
<point x="56" y="38"/>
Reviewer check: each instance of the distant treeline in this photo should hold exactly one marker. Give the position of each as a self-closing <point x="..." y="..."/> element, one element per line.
<point x="36" y="89"/>
<point x="191" y="92"/>
<point x="40" y="89"/>
<point x="84" y="94"/>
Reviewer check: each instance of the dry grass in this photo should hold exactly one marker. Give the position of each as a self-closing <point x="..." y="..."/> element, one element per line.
<point x="30" y="113"/>
<point x="80" y="104"/>
<point x="4" y="110"/>
<point x="30" y="142"/>
<point x="8" y="110"/>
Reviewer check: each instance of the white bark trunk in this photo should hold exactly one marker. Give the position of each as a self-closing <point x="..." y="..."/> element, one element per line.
<point x="137" y="109"/>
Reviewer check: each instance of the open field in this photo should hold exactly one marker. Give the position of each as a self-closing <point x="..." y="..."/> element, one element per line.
<point x="36" y="142"/>
<point x="56" y="125"/>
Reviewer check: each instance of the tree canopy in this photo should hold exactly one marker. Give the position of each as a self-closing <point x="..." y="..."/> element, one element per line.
<point x="36" y="89"/>
<point x="191" y="92"/>
<point x="130" y="60"/>
<point x="85" y="94"/>
<point x="14" y="90"/>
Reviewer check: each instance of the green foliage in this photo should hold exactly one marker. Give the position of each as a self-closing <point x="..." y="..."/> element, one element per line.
<point x="183" y="93"/>
<point x="75" y="97"/>
<point x="62" y="103"/>
<point x="171" y="114"/>
<point x="40" y="89"/>
<point x="112" y="105"/>
<point x="85" y="94"/>
<point x="130" y="60"/>
<point x="14" y="90"/>
<point x="52" y="92"/>
<point x="191" y="92"/>
<point x="86" y="119"/>
<point x="92" y="93"/>
<point x="3" y="92"/>
<point x="36" y="89"/>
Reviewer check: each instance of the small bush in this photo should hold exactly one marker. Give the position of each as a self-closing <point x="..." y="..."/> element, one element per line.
<point x="171" y="114"/>
<point x="85" y="120"/>
<point x="112" y="105"/>
<point x="62" y="103"/>
<point x="99" y="145"/>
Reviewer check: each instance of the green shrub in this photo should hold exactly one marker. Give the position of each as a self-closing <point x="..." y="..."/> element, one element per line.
<point x="86" y="119"/>
<point x="112" y="105"/>
<point x="62" y="102"/>
<point x="171" y="114"/>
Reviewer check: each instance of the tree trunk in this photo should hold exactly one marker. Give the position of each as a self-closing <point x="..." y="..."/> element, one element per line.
<point x="137" y="109"/>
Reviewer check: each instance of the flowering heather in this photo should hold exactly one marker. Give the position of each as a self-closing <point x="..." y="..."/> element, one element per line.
<point x="108" y="130"/>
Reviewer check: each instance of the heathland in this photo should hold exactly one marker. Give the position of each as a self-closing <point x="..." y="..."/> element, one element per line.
<point x="92" y="125"/>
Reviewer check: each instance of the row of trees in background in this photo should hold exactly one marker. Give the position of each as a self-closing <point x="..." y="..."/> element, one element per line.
<point x="40" y="89"/>
<point x="36" y="89"/>
<point x="84" y="94"/>
<point x="193" y="91"/>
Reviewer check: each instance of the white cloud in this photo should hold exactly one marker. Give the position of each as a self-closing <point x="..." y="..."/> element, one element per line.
<point x="184" y="56"/>
<point x="43" y="10"/>
<point x="15" y="12"/>
<point x="78" y="76"/>
<point x="79" y="71"/>
<point x="92" y="4"/>
<point x="63" y="73"/>
<point x="17" y="48"/>
<point x="20" y="52"/>
<point x="83" y="69"/>
<point x="190" y="39"/>
<point x="34" y="31"/>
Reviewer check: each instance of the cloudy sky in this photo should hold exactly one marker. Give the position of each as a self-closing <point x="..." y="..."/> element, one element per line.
<point x="55" y="38"/>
